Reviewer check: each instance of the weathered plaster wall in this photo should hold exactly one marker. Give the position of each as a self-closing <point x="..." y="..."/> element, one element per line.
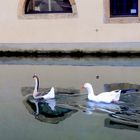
<point x="87" y="26"/>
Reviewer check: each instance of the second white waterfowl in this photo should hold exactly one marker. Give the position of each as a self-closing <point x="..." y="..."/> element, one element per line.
<point x="38" y="95"/>
<point x="107" y="97"/>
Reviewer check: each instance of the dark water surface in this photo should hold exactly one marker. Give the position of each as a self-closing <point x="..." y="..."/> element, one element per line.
<point x="70" y="115"/>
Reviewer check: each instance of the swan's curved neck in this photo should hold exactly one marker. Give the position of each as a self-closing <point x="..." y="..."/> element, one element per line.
<point x="90" y="92"/>
<point x="36" y="87"/>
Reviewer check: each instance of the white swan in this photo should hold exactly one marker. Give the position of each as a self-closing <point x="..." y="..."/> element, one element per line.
<point x="37" y="95"/>
<point x="107" y="97"/>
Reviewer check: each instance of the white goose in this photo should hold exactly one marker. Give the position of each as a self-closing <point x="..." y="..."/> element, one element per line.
<point x="107" y="97"/>
<point x="37" y="95"/>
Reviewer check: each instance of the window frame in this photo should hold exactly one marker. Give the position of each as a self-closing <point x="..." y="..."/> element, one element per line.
<point x="109" y="19"/>
<point x="23" y="15"/>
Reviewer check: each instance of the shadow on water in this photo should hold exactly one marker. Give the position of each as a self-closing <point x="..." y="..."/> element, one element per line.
<point x="122" y="115"/>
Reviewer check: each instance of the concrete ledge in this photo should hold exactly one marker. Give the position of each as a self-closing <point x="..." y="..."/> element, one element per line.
<point x="70" y="49"/>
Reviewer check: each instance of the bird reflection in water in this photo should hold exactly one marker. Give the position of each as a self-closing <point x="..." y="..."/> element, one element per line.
<point x="47" y="110"/>
<point x="92" y="107"/>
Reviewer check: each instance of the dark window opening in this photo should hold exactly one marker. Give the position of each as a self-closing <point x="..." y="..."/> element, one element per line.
<point x="47" y="6"/>
<point x="123" y="8"/>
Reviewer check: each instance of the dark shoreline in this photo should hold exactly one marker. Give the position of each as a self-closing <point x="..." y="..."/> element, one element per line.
<point x="69" y="54"/>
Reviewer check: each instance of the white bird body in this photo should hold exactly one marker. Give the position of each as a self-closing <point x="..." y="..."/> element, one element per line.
<point x="37" y="95"/>
<point x="45" y="96"/>
<point x="107" y="97"/>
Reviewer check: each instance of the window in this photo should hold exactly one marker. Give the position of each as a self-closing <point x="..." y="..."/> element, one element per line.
<point x="123" y="8"/>
<point x="46" y="8"/>
<point x="121" y="11"/>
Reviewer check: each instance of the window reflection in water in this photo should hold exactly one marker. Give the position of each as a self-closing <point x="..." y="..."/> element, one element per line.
<point x="47" y="110"/>
<point x="118" y="123"/>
